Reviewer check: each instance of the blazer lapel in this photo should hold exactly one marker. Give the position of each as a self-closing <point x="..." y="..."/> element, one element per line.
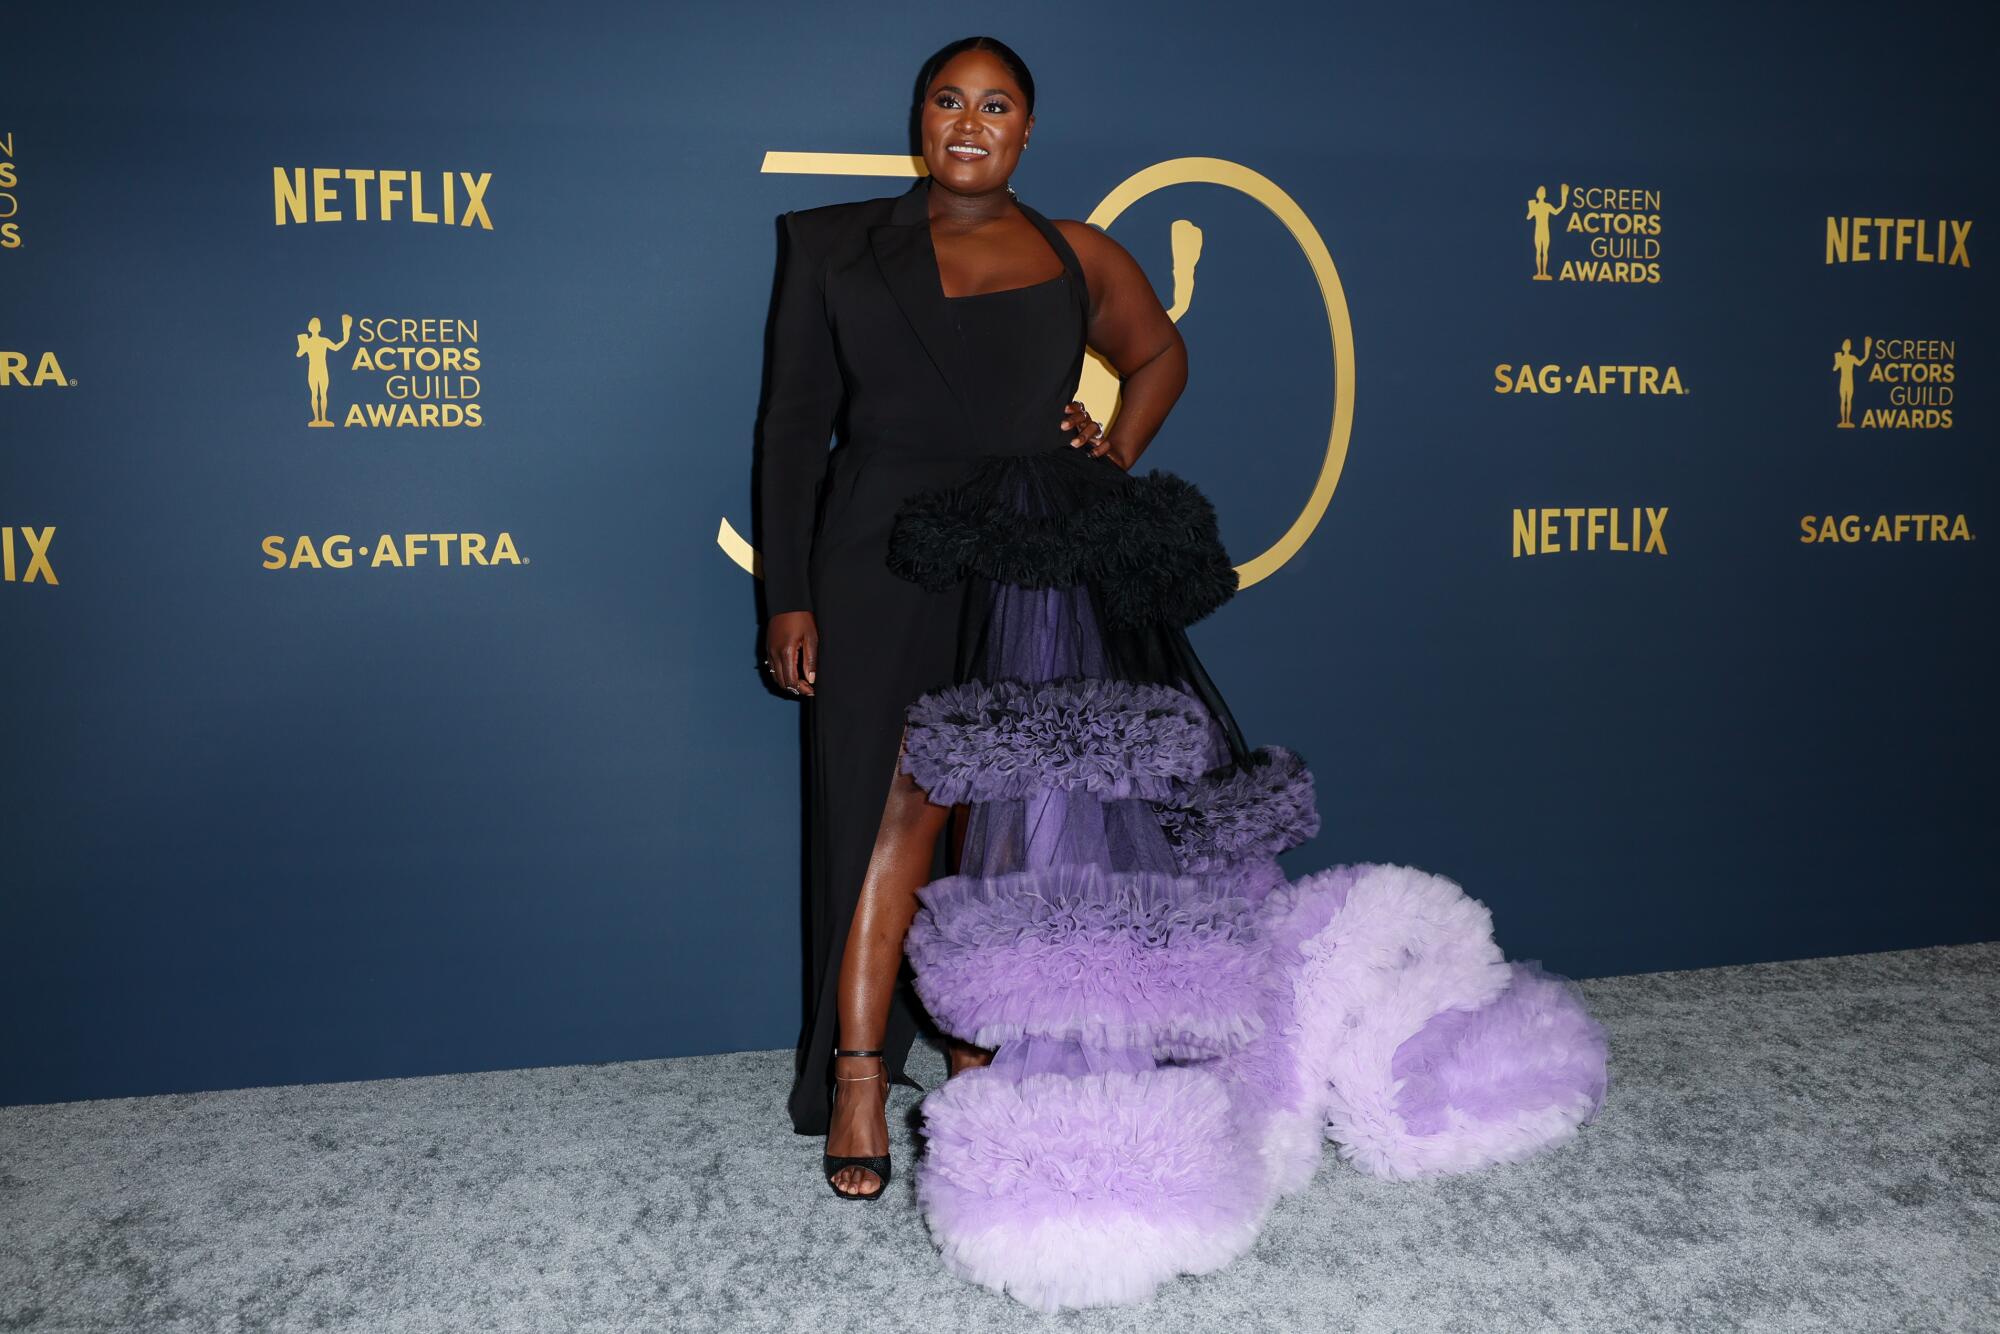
<point x="903" y="253"/>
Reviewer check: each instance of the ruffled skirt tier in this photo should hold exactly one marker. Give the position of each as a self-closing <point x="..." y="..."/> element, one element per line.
<point x="1177" y="1025"/>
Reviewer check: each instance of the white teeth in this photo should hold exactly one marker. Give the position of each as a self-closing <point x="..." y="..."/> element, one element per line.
<point x="966" y="148"/>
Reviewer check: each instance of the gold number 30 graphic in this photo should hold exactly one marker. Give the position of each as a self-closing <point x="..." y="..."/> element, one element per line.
<point x="1098" y="384"/>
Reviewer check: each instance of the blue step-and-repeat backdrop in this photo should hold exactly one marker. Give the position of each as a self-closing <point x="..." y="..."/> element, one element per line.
<point x="1598" y="399"/>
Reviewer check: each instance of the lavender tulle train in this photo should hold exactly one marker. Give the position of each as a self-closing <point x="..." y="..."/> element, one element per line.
<point x="1178" y="1026"/>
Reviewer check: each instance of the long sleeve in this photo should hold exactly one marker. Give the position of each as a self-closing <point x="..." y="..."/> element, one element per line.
<point x="797" y="423"/>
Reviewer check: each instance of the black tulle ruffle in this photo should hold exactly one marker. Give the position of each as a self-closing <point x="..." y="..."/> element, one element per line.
<point x="1149" y="546"/>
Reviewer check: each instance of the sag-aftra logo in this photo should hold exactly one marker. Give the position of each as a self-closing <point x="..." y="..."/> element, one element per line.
<point x="337" y="551"/>
<point x="32" y="370"/>
<point x="1849" y="529"/>
<point x="1551" y="378"/>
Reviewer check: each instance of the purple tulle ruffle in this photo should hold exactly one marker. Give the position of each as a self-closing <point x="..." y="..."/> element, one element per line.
<point x="1533" y="1049"/>
<point x="991" y="741"/>
<point x="1111" y="959"/>
<point x="1260" y="809"/>
<point x="1086" y="1190"/>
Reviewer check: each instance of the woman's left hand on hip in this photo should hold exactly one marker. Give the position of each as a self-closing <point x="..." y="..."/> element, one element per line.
<point x="1089" y="435"/>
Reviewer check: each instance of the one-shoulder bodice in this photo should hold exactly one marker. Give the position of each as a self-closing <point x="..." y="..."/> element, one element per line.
<point x="1020" y="346"/>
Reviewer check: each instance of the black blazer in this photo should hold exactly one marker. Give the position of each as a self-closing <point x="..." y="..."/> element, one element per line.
<point x="863" y="343"/>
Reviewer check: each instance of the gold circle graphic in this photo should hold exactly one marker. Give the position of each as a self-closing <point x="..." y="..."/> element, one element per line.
<point x="1233" y="176"/>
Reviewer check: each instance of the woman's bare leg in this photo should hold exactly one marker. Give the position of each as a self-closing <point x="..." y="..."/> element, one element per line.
<point x="960" y="817"/>
<point x="961" y="1056"/>
<point x="899" y="866"/>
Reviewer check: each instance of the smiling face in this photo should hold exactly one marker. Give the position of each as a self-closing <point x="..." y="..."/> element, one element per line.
<point x="974" y="123"/>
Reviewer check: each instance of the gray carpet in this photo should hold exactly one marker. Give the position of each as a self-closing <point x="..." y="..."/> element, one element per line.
<point x="1794" y="1146"/>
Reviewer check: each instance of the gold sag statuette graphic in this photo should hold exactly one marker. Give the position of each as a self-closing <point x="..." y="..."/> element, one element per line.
<point x="1631" y="380"/>
<point x="337" y="551"/>
<point x="10" y="198"/>
<point x="314" y="345"/>
<point x="1619" y="228"/>
<point x="426" y="366"/>
<point x="1917" y="240"/>
<point x="365" y="194"/>
<point x="1844" y="362"/>
<point x="1098" y="385"/>
<point x="26" y="561"/>
<point x="1635" y="528"/>
<point x="1820" y="529"/>
<point x="1921" y="375"/>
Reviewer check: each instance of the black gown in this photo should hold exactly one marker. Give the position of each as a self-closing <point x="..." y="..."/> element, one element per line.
<point x="919" y="386"/>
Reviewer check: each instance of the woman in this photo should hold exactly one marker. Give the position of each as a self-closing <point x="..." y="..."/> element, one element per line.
<point x="1152" y="1027"/>
<point x="948" y="322"/>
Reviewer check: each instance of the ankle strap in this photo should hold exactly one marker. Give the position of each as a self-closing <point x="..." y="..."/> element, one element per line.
<point x="839" y="1051"/>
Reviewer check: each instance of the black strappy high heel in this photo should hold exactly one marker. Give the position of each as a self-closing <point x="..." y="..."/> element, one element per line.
<point x="878" y="1164"/>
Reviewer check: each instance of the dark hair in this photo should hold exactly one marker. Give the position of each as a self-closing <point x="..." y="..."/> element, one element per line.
<point x="1002" y="52"/>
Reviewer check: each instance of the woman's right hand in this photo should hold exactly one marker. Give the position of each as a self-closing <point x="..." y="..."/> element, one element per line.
<point x="791" y="651"/>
